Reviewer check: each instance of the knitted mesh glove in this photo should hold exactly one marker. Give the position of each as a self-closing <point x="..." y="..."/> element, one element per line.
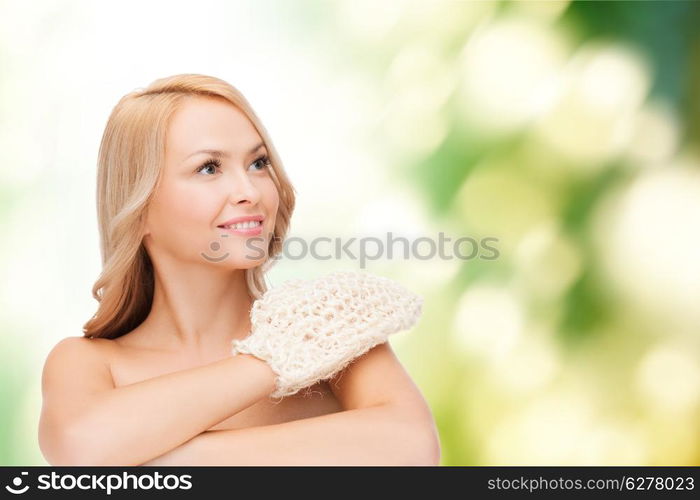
<point x="309" y="330"/>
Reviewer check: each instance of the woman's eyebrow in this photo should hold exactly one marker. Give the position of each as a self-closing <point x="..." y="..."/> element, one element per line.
<point x="224" y="154"/>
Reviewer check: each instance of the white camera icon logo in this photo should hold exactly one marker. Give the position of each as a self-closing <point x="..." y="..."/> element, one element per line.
<point x="17" y="482"/>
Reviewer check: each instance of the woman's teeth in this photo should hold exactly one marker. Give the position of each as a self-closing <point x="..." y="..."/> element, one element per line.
<point x="244" y="225"/>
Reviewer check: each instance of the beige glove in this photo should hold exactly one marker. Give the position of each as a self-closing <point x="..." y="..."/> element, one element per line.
<point x="309" y="330"/>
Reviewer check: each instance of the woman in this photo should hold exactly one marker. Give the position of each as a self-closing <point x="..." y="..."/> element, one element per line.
<point x="154" y="380"/>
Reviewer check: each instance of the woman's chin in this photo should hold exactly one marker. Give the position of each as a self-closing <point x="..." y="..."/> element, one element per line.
<point x="242" y="263"/>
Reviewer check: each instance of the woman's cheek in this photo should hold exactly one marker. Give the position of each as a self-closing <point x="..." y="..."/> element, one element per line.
<point x="271" y="196"/>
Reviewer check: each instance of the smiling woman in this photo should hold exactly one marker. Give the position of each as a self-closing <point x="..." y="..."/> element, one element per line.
<point x="187" y="177"/>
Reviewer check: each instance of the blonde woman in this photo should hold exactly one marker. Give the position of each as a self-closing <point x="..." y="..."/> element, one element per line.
<point x="155" y="379"/>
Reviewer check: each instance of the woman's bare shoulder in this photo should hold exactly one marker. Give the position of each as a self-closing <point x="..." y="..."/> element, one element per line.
<point x="83" y="351"/>
<point x="78" y="358"/>
<point x="70" y="347"/>
<point x="80" y="346"/>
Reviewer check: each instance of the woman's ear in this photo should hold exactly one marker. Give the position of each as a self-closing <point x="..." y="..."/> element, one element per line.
<point x="145" y="231"/>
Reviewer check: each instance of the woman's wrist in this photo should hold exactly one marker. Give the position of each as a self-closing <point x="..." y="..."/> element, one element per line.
<point x="260" y="371"/>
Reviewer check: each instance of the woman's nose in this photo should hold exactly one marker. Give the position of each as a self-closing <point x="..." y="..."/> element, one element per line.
<point x="244" y="190"/>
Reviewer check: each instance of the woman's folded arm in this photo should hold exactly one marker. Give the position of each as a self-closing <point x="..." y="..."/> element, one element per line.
<point x="382" y="435"/>
<point x="86" y="420"/>
<point x="385" y="421"/>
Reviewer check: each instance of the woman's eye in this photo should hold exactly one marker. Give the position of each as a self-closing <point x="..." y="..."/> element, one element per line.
<point x="263" y="162"/>
<point x="209" y="164"/>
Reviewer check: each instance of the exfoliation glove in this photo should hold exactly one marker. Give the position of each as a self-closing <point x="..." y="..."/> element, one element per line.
<point x="309" y="330"/>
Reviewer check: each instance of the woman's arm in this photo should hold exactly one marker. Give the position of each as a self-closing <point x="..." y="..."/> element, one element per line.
<point x="382" y="435"/>
<point x="86" y="420"/>
<point x="386" y="421"/>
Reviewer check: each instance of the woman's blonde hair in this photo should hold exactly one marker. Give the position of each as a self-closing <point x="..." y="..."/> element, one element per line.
<point x="130" y="164"/>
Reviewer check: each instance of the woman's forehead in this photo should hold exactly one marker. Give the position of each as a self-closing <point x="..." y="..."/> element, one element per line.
<point x="207" y="123"/>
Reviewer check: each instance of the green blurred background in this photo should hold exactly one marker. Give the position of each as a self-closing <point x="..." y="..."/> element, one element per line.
<point x="566" y="130"/>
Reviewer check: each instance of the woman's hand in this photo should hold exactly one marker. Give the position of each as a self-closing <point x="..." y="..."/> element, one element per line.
<point x="309" y="330"/>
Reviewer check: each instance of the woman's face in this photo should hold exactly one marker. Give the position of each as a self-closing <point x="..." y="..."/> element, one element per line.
<point x="200" y="191"/>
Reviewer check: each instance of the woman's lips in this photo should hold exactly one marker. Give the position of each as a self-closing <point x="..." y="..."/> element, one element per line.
<point x="249" y="231"/>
